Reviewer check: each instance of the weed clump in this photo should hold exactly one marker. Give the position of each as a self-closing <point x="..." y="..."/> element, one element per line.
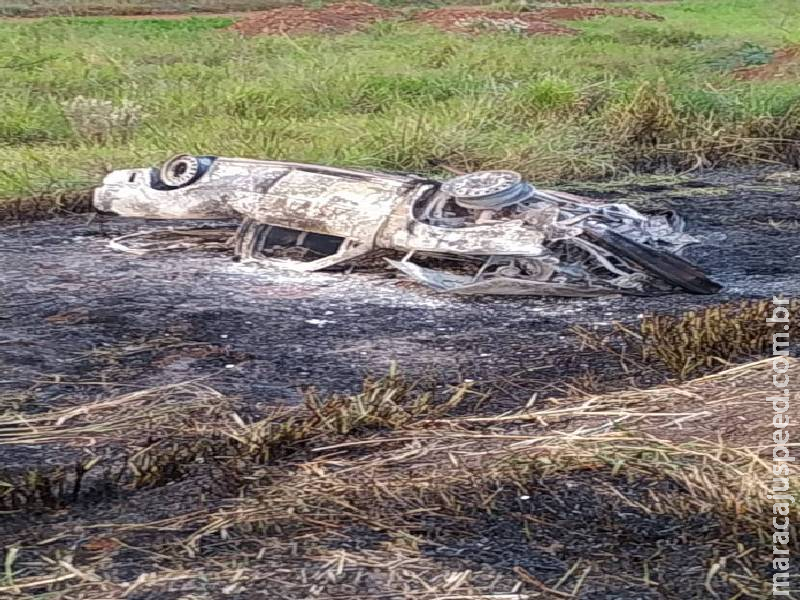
<point x="711" y="337"/>
<point x="695" y="341"/>
<point x="102" y="121"/>
<point x="390" y="403"/>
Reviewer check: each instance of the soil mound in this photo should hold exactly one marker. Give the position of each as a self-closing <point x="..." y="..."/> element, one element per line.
<point x="474" y="20"/>
<point x="785" y="64"/>
<point x="334" y="18"/>
<point x="350" y="16"/>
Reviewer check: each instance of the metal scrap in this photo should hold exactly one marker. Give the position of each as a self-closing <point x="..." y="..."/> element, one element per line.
<point x="488" y="232"/>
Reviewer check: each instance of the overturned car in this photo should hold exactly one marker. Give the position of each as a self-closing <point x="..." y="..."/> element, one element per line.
<point x="487" y="232"/>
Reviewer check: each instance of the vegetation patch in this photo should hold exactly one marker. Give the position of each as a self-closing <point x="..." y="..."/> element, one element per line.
<point x="74" y="8"/>
<point x="705" y="339"/>
<point x="783" y="65"/>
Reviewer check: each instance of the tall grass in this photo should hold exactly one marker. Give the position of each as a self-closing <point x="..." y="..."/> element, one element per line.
<point x="624" y="96"/>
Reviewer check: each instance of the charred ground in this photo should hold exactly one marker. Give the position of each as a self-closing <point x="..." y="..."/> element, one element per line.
<point x="161" y="437"/>
<point x="94" y="318"/>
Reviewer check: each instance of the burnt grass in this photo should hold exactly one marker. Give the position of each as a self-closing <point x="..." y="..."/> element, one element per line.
<point x="570" y="518"/>
<point x="81" y="322"/>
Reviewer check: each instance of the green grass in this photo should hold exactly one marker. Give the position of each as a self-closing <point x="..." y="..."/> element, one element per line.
<point x="624" y="96"/>
<point x="38" y="8"/>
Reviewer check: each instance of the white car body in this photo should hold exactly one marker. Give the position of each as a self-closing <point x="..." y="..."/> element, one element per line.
<point x="521" y="240"/>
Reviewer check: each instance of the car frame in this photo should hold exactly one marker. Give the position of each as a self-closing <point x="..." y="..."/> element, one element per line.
<point x="513" y="237"/>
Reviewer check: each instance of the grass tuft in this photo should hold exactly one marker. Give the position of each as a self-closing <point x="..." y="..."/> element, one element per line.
<point x="706" y="339"/>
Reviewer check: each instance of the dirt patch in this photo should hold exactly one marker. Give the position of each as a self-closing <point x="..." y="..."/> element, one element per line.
<point x="334" y="18"/>
<point x="476" y="20"/>
<point x="583" y="13"/>
<point x="352" y="16"/>
<point x="785" y="64"/>
<point x="539" y="22"/>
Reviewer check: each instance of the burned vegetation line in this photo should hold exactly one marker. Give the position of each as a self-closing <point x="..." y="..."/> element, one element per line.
<point x="158" y="436"/>
<point x="389" y="473"/>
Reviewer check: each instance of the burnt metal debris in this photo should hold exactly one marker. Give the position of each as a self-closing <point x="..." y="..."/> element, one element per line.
<point x="488" y="232"/>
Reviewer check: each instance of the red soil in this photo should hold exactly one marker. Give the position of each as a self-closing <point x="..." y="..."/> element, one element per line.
<point x="785" y="64"/>
<point x="353" y="15"/>
<point x="333" y="18"/>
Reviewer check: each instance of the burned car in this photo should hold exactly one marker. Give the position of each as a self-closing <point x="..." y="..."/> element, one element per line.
<point x="486" y="232"/>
